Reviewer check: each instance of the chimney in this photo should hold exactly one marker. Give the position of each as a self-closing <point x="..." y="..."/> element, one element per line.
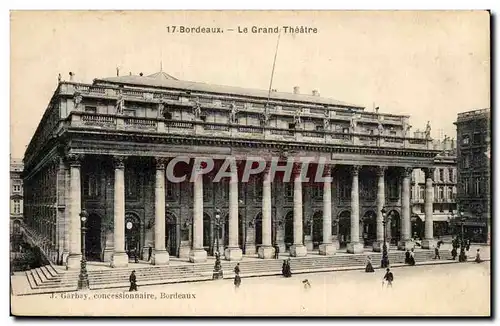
<point x="376" y="110"/>
<point x="296" y="90"/>
<point x="315" y="92"/>
<point x="130" y="73"/>
<point x="71" y="74"/>
<point x="141" y="74"/>
<point x="274" y="90"/>
<point x="117" y="72"/>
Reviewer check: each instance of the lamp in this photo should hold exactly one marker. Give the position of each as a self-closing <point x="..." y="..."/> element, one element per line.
<point x="217" y="273"/>
<point x="83" y="278"/>
<point x="385" y="257"/>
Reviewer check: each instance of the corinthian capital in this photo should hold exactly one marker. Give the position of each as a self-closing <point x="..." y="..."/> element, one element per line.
<point x="161" y="163"/>
<point x="406" y="172"/>
<point x="74" y="160"/>
<point x="355" y="169"/>
<point x="119" y="162"/>
<point x="381" y="171"/>
<point x="429" y="173"/>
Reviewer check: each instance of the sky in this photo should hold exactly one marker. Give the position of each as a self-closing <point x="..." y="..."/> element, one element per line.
<point x="429" y="65"/>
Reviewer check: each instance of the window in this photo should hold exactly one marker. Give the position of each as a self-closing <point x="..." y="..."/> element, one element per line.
<point x="207" y="189"/>
<point x="451" y="194"/>
<point x="466" y="186"/>
<point x="477" y="186"/>
<point x="224" y="188"/>
<point x="131" y="184"/>
<point x="345" y="130"/>
<point x="289" y="190"/>
<point x="450" y="175"/>
<point x="91" y="185"/>
<point x="392" y="133"/>
<point x="465" y="140"/>
<point x="257" y="187"/>
<point x="171" y="191"/>
<point x="17" y="188"/>
<point x="319" y="128"/>
<point x="421" y="190"/>
<point x="129" y="113"/>
<point x="90" y="109"/>
<point x="393" y="188"/>
<point x="317" y="191"/>
<point x="476" y="139"/>
<point x="440" y="193"/>
<point x="466" y="162"/>
<point x="17" y="206"/>
<point x="441" y="174"/>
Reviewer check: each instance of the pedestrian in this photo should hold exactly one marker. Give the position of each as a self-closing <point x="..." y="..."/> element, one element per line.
<point x="467" y="246"/>
<point x="478" y="257"/>
<point x="276" y="251"/>
<point x="237" y="278"/>
<point x="133" y="282"/>
<point x="436" y="253"/>
<point x="136" y="255"/>
<point x="388" y="277"/>
<point x="237" y="268"/>
<point x="369" y="267"/>
<point x="407" y="256"/>
<point x="306" y="283"/>
<point x="454" y="253"/>
<point x="150" y="253"/>
<point x="412" y="257"/>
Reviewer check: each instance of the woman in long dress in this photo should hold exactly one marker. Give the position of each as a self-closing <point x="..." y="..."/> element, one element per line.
<point x="369" y="267"/>
<point x="478" y="257"/>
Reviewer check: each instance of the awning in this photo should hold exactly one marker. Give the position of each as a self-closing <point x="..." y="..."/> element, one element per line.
<point x="435" y="217"/>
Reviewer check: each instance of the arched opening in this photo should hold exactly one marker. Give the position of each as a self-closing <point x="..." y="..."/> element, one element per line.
<point x="132" y="235"/>
<point x="288" y="230"/>
<point x="395" y="226"/>
<point x="417" y="227"/>
<point x="171" y="234"/>
<point x="93" y="237"/>
<point x="317" y="229"/>
<point x="207" y="238"/>
<point x="344" y="228"/>
<point x="369" y="227"/>
<point x="258" y="231"/>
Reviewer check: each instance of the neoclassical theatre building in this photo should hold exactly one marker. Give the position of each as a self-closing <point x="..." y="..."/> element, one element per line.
<point x="103" y="147"/>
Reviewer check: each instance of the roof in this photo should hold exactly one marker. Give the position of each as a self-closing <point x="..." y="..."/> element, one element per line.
<point x="163" y="80"/>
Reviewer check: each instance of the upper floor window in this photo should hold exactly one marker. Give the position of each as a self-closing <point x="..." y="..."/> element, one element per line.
<point x="476" y="138"/>
<point x="91" y="185"/>
<point x="344" y="188"/>
<point x="132" y="183"/>
<point x="16" y="188"/>
<point x="450" y="175"/>
<point x="466" y="186"/>
<point x="317" y="191"/>
<point x="465" y="140"/>
<point x="421" y="191"/>
<point x="289" y="190"/>
<point x="441" y="174"/>
<point x="466" y="161"/>
<point x="129" y="112"/>
<point x="257" y="187"/>
<point x="171" y="190"/>
<point x="393" y="188"/>
<point x="207" y="189"/>
<point x="451" y="194"/>
<point x="477" y="186"/>
<point x="90" y="109"/>
<point x="441" y="193"/>
<point x="17" y="206"/>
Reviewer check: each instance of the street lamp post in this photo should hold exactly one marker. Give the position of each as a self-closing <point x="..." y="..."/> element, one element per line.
<point x="83" y="279"/>
<point x="385" y="257"/>
<point x="218" y="273"/>
<point x="462" y="257"/>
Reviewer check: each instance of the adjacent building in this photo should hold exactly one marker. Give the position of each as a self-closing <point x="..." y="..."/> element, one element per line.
<point x="445" y="191"/>
<point x="474" y="173"/>
<point x="16" y="201"/>
<point x="103" y="148"/>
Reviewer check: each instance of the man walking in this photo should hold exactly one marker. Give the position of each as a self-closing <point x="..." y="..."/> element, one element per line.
<point x="133" y="282"/>
<point x="150" y="253"/>
<point x="276" y="251"/>
<point x="436" y="253"/>
<point x="388" y="277"/>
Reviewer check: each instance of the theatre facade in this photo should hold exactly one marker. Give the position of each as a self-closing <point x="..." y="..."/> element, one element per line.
<point x="101" y="151"/>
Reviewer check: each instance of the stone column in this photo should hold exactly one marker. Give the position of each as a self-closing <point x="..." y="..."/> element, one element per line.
<point x="297" y="249"/>
<point x="161" y="256"/>
<point x="120" y="257"/>
<point x="405" y="242"/>
<point x="355" y="246"/>
<point x="75" y="246"/>
<point x="327" y="247"/>
<point x="67" y="212"/>
<point x="378" y="244"/>
<point x="197" y="253"/>
<point x="266" y="250"/>
<point x="429" y="242"/>
<point x="233" y="251"/>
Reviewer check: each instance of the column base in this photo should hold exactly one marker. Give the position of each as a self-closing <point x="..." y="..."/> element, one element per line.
<point x="108" y="255"/>
<point x="266" y="252"/>
<point x="355" y="248"/>
<point x="327" y="249"/>
<point x="298" y="250"/>
<point x="119" y="259"/>
<point x="73" y="261"/>
<point x="429" y="244"/>
<point x="198" y="256"/>
<point x="378" y="245"/>
<point x="184" y="251"/>
<point x="160" y="257"/>
<point x="250" y="249"/>
<point x="234" y="254"/>
<point x="406" y="245"/>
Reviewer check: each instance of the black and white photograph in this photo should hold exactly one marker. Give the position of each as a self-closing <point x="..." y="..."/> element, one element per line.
<point x="250" y="163"/>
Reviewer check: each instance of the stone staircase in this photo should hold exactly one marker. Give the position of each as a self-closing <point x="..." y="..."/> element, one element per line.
<point x="47" y="279"/>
